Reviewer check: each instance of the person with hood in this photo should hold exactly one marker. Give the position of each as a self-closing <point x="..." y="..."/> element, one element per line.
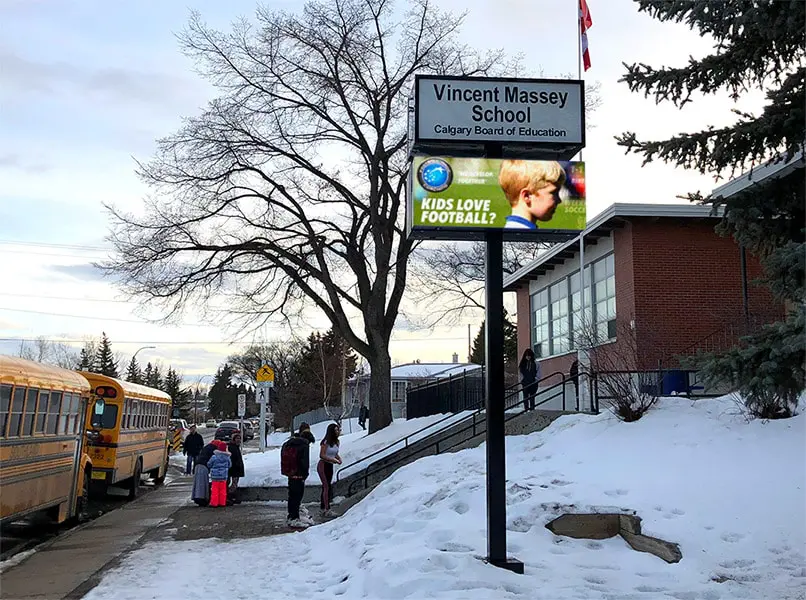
<point x="191" y="448"/>
<point x="530" y="374"/>
<point x="201" y="478"/>
<point x="219" y="465"/>
<point x="295" y="464"/>
<point x="363" y="415"/>
<point x="236" y="471"/>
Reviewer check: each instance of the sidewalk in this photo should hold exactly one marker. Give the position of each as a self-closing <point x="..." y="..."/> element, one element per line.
<point x="72" y="563"/>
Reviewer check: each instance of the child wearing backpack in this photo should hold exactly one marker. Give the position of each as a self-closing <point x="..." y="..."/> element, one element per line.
<point x="295" y="464"/>
<point x="219" y="465"/>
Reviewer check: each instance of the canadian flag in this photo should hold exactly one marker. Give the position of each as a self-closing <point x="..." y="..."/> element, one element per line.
<point x="585" y="23"/>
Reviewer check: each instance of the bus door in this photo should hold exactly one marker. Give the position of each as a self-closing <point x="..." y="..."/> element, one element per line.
<point x="101" y="438"/>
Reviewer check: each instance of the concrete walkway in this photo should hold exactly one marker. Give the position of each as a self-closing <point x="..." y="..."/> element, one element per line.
<point x="71" y="564"/>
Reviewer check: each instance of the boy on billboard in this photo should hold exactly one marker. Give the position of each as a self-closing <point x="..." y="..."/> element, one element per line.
<point x="532" y="188"/>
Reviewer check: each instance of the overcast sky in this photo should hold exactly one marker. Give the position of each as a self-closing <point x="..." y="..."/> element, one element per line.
<point x="86" y="86"/>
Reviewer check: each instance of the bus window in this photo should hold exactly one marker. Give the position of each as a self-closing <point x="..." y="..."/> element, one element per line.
<point x="64" y="414"/>
<point x="53" y="412"/>
<point x="76" y="420"/>
<point x="30" y="411"/>
<point x="15" y="418"/>
<point x="5" y="404"/>
<point x="42" y="411"/>
<point x="104" y="416"/>
<point x="127" y="414"/>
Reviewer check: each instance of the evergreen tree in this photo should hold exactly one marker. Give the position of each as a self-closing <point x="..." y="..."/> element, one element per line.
<point x="133" y="373"/>
<point x="106" y="363"/>
<point x="147" y="375"/>
<point x="477" y="354"/>
<point x="758" y="45"/>
<point x="180" y="397"/>
<point x="223" y="395"/>
<point x="154" y="378"/>
<point x="86" y="361"/>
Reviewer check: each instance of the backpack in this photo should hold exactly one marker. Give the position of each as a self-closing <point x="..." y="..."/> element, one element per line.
<point x="289" y="459"/>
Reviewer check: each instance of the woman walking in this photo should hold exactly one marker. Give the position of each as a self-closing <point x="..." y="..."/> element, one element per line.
<point x="201" y="476"/>
<point x="236" y="471"/>
<point x="530" y="375"/>
<point x="328" y="456"/>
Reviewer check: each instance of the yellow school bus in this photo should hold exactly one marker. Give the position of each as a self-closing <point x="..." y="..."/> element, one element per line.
<point x="43" y="466"/>
<point x="127" y="433"/>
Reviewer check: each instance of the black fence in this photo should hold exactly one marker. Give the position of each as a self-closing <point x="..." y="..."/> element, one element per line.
<point x="451" y="394"/>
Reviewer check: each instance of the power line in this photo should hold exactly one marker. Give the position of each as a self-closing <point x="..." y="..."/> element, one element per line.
<point x="95" y="318"/>
<point x="217" y="342"/>
<point x="37" y="296"/>
<point x="52" y="245"/>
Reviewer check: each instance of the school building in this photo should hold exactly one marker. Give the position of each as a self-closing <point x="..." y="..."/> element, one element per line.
<point x="657" y="274"/>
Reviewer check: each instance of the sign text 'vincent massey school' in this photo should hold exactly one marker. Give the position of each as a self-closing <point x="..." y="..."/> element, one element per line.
<point x="537" y="111"/>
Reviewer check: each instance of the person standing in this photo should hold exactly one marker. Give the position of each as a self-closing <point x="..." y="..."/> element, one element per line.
<point x="295" y="464"/>
<point x="193" y="445"/>
<point x="328" y="456"/>
<point x="236" y="471"/>
<point x="530" y="375"/>
<point x="219" y="465"/>
<point x="573" y="373"/>
<point x="201" y="478"/>
<point x="363" y="415"/>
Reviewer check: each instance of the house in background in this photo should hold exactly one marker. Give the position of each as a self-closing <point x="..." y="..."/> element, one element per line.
<point x="404" y="376"/>
<point x="659" y="282"/>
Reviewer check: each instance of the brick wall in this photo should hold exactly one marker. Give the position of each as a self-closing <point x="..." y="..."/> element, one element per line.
<point x="686" y="284"/>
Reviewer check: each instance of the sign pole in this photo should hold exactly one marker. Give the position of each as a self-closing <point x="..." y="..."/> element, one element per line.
<point x="262" y="422"/>
<point x="495" y="392"/>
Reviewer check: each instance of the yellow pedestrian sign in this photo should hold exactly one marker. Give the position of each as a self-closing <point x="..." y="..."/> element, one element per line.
<point x="265" y="374"/>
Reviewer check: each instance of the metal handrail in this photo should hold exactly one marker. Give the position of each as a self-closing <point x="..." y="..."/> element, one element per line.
<point x="472" y="425"/>
<point x="405" y="439"/>
<point x="516" y="388"/>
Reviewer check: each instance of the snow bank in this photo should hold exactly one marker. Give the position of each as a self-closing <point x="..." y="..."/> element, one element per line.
<point x="263" y="469"/>
<point x="730" y="492"/>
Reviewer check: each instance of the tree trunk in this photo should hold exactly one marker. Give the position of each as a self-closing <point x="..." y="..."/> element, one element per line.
<point x="380" y="390"/>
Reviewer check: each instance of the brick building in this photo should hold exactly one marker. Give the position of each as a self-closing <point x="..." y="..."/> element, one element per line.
<point x="659" y="282"/>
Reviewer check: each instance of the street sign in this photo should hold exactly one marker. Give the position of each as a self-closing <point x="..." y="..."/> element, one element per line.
<point x="265" y="373"/>
<point x="262" y="395"/>
<point x="241" y="404"/>
<point x="264" y="385"/>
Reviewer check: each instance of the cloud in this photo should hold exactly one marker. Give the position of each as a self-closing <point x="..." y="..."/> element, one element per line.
<point x="12" y="160"/>
<point x="124" y="84"/>
<point x="83" y="272"/>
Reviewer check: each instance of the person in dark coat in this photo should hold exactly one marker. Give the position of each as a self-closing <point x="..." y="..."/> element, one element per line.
<point x="236" y="471"/>
<point x="573" y="373"/>
<point x="193" y="445"/>
<point x="300" y="441"/>
<point x="363" y="415"/>
<point x="530" y="375"/>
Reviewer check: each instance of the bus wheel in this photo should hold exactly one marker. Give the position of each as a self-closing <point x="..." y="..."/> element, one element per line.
<point x="134" y="486"/>
<point x="155" y="474"/>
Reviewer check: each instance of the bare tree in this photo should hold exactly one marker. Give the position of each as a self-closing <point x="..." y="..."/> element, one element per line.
<point x="450" y="277"/>
<point x="288" y="188"/>
<point x="49" y="352"/>
<point x="626" y="380"/>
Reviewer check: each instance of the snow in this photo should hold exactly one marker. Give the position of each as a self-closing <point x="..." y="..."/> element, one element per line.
<point x="728" y="490"/>
<point x="263" y="469"/>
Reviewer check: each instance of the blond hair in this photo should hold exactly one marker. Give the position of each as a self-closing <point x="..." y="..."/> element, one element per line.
<point x="532" y="175"/>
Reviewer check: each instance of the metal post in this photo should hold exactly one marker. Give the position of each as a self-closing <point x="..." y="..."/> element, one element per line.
<point x="495" y="386"/>
<point x="263" y="420"/>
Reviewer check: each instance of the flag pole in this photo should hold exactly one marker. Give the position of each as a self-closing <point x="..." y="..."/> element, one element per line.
<point x="579" y="41"/>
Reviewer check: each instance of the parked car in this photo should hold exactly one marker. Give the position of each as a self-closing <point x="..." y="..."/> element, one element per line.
<point x="211" y="424"/>
<point x="226" y="429"/>
<point x="248" y="431"/>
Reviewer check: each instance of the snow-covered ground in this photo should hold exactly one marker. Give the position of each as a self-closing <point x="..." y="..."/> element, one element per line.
<point x="263" y="469"/>
<point x="729" y="491"/>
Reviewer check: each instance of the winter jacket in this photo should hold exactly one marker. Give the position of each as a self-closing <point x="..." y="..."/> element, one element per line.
<point x="363" y="414"/>
<point x="219" y="465"/>
<point x="194" y="443"/>
<point x="237" y="468"/>
<point x="530" y="372"/>
<point x="205" y="454"/>
<point x="302" y="444"/>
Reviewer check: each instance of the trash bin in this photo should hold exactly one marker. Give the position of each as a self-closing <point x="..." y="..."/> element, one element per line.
<point x="674" y="382"/>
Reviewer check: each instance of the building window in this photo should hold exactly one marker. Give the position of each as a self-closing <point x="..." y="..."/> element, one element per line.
<point x="399" y="391"/>
<point x="560" y="327"/>
<point x="558" y="321"/>
<point x="540" y="323"/>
